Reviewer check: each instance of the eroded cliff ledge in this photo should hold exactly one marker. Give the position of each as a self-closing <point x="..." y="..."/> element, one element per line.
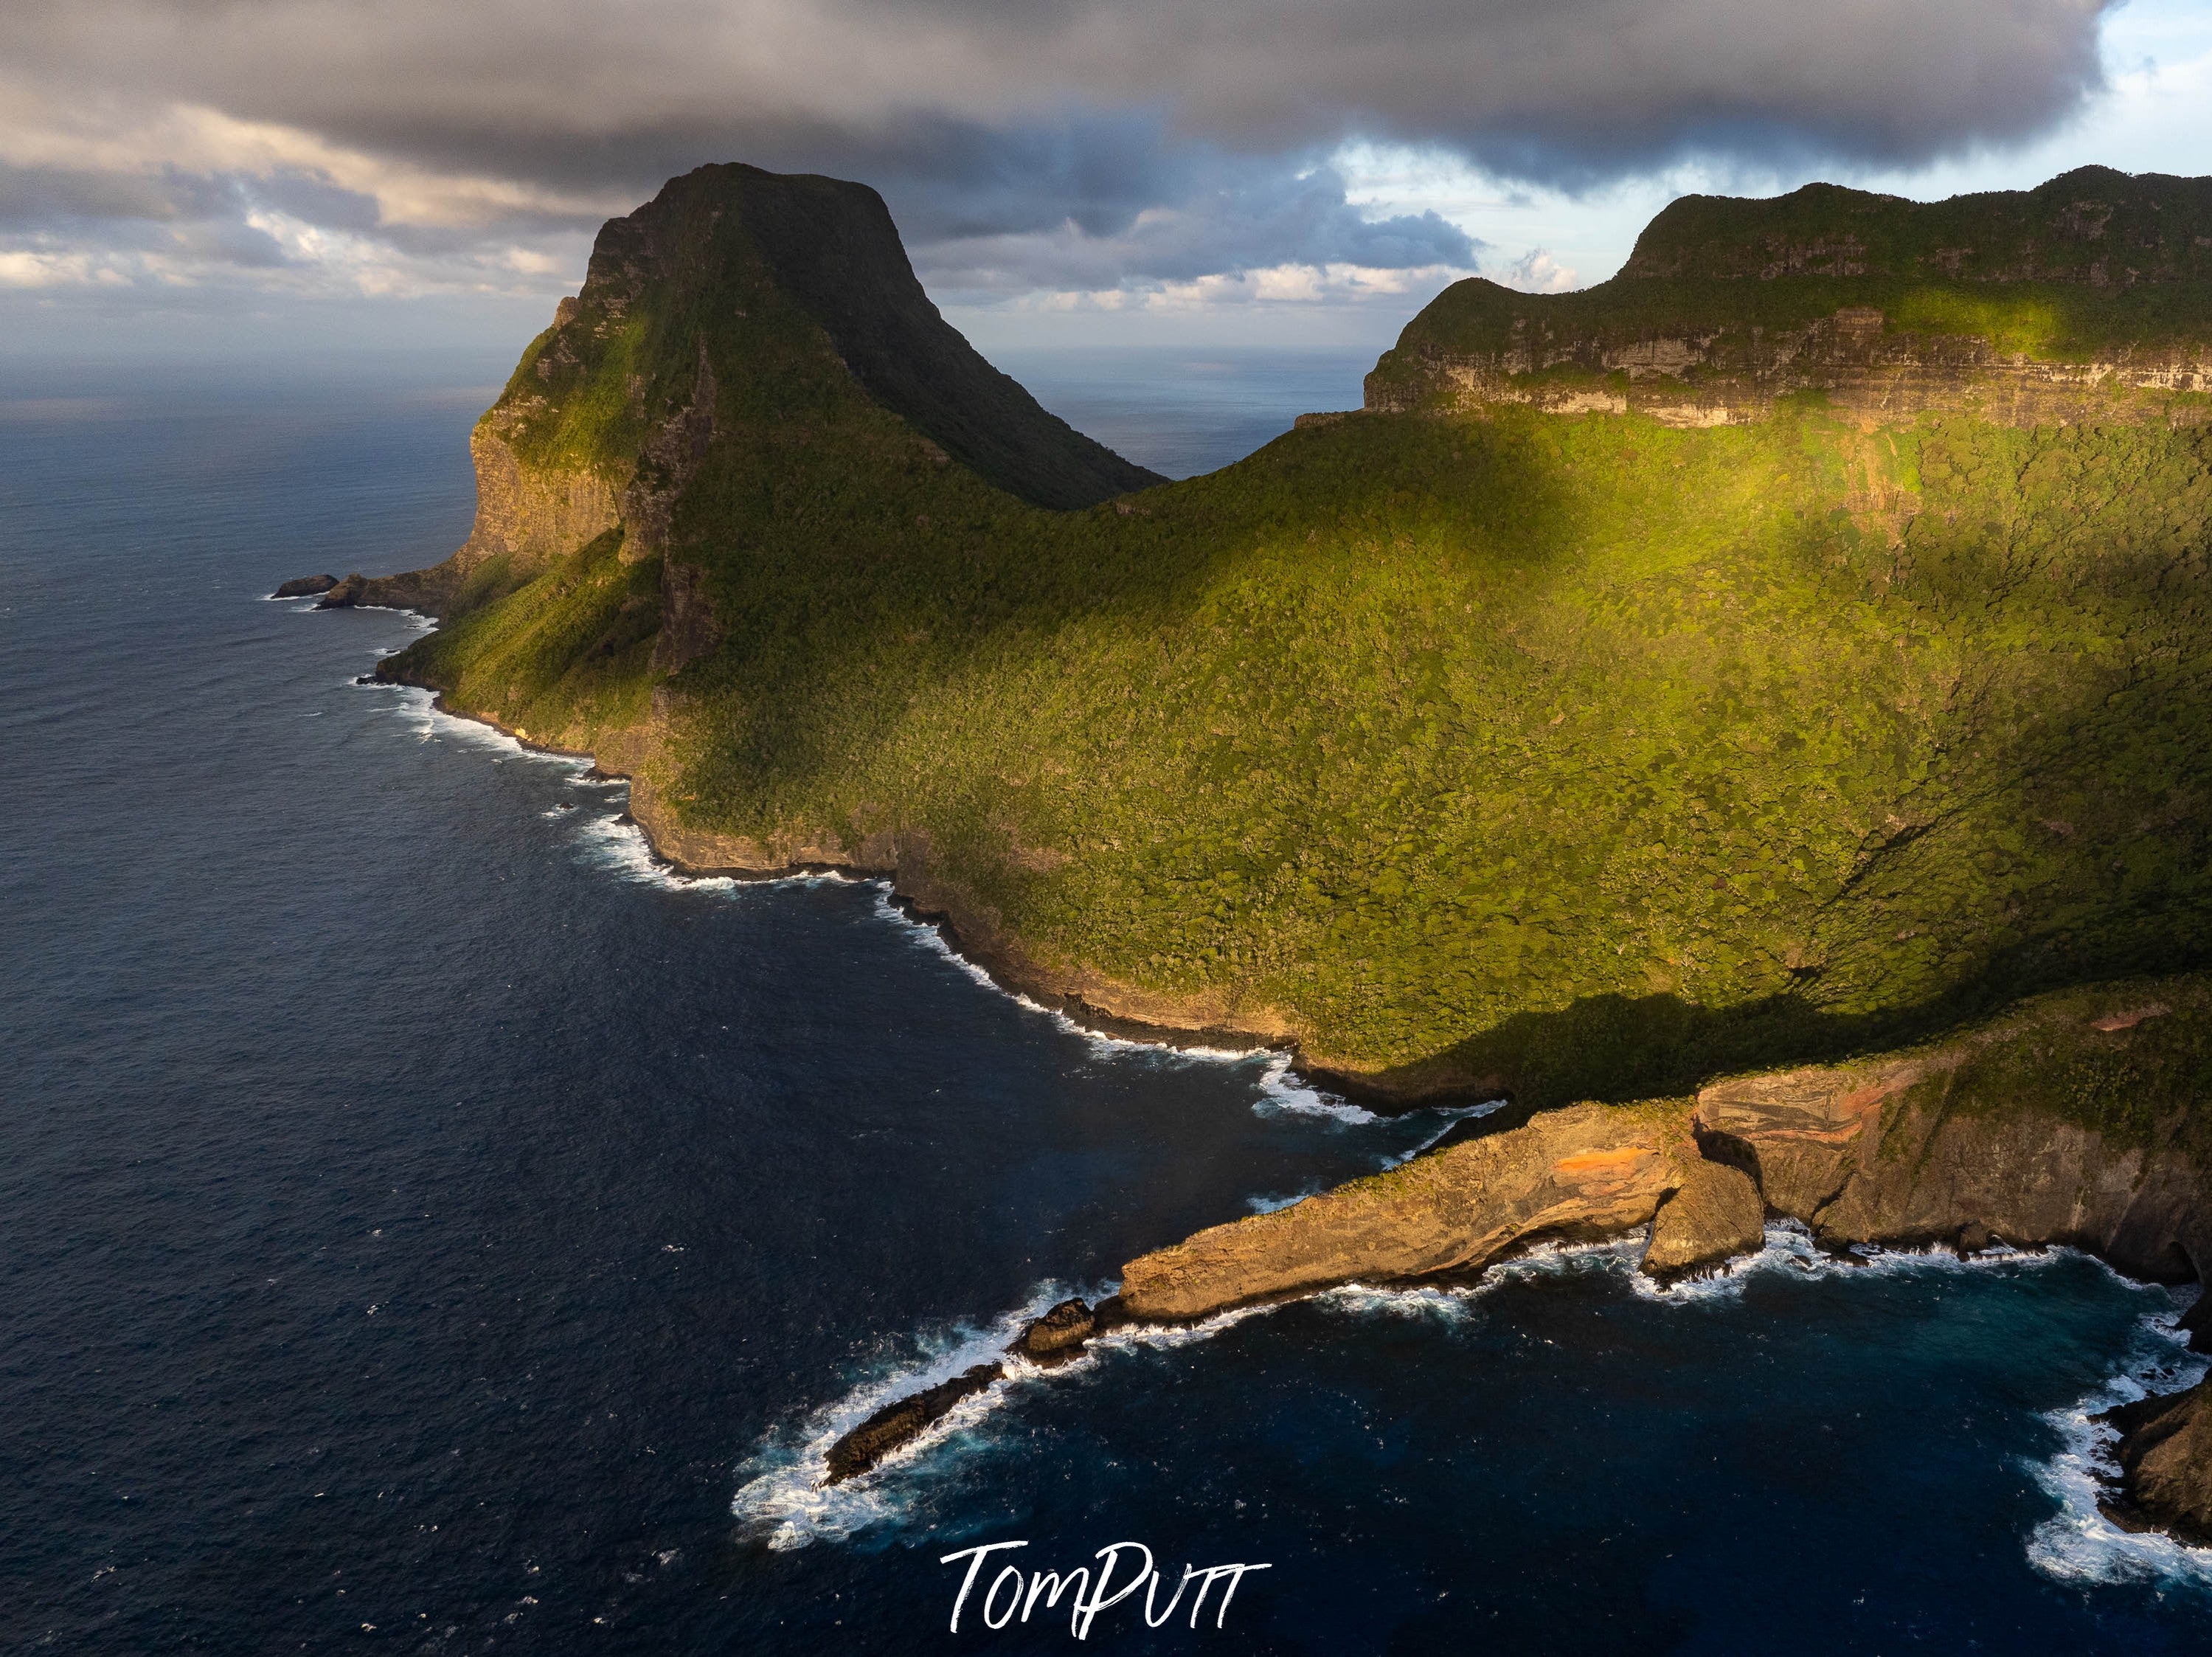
<point x="2073" y="1120"/>
<point x="2075" y="301"/>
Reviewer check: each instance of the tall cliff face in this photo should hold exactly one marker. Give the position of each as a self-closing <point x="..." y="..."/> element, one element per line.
<point x="1494" y="751"/>
<point x="2093" y="227"/>
<point x="2076" y="1118"/>
<point x="2081" y="300"/>
<point x="734" y="298"/>
<point x="2073" y="1119"/>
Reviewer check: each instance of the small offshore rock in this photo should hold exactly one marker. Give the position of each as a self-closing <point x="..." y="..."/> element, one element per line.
<point x="899" y="1423"/>
<point x="305" y="587"/>
<point x="1058" y="1336"/>
<point x="2166" y="1465"/>
<point x="344" y="594"/>
<point x="1716" y="1215"/>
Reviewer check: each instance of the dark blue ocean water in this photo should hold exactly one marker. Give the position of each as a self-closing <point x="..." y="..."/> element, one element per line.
<point x="423" y="1226"/>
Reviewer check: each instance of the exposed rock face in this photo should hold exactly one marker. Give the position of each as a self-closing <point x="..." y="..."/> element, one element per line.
<point x="305" y="587"/>
<point x="1893" y="1154"/>
<point x="1586" y="1172"/>
<point x="2166" y="1465"/>
<point x="344" y="594"/>
<point x="1058" y="1336"/>
<point x="670" y="455"/>
<point x="619" y="403"/>
<point x="899" y="1424"/>
<point x="688" y="628"/>
<point x="1716" y="1216"/>
<point x="533" y="515"/>
<point x="1729" y="376"/>
<point x="2166" y="1460"/>
<point x="1884" y="307"/>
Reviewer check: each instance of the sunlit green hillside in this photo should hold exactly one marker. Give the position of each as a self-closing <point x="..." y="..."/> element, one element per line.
<point x="1581" y="755"/>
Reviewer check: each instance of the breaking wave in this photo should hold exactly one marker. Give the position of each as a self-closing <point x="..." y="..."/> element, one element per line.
<point x="2079" y="1545"/>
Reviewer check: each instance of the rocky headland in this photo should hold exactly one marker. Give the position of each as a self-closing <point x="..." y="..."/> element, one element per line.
<point x="1756" y="712"/>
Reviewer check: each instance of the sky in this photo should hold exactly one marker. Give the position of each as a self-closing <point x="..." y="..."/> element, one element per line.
<point x="181" y="177"/>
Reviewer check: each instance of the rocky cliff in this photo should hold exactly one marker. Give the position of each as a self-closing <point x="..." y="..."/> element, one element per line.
<point x="729" y="276"/>
<point x="1843" y="674"/>
<point x="2078" y="300"/>
<point x="2073" y="1119"/>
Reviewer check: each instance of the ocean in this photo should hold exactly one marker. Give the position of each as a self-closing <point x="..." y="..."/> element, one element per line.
<point x="426" y="1224"/>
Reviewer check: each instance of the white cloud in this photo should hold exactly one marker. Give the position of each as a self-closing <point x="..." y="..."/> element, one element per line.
<point x="24" y="268"/>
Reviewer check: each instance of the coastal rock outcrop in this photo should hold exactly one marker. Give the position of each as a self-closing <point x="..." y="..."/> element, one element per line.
<point x="305" y="587"/>
<point x="902" y="1420"/>
<point x="2166" y="1463"/>
<point x="1585" y="1171"/>
<point x="1715" y="1216"/>
<point x="1058" y="1336"/>
<point x="1949" y="1141"/>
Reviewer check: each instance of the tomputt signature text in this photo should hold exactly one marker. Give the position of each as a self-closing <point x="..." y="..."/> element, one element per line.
<point x="1015" y="1593"/>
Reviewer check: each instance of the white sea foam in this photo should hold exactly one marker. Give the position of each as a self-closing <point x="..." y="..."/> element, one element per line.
<point x="1452" y="1116"/>
<point x="618" y="845"/>
<point x="1281" y="1091"/>
<point x="927" y="934"/>
<point x="418" y="709"/>
<point x="2080" y="1545"/>
<point x="1272" y="1204"/>
<point x="1450" y="1302"/>
<point x="1446" y="1305"/>
<point x="1791" y="1251"/>
<point x="786" y="1501"/>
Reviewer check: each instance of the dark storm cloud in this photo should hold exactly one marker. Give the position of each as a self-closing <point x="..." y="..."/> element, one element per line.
<point x="1231" y="215"/>
<point x="1179" y="132"/>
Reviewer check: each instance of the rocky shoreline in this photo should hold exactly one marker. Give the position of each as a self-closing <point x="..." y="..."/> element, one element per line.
<point x="1908" y="1151"/>
<point x="1890" y="1151"/>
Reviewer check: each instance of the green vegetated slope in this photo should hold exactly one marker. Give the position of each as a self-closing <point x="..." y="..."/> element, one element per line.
<point x="1586" y="756"/>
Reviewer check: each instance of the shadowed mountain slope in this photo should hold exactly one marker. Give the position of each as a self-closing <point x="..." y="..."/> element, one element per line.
<point x="1609" y="711"/>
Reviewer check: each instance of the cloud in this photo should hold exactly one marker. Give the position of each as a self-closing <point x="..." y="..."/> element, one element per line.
<point x="1079" y="145"/>
<point x="1223" y="216"/>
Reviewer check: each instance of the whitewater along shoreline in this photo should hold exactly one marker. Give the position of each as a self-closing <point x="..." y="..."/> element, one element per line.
<point x="1093" y="1005"/>
<point x="1905" y="1151"/>
<point x="1917" y="1150"/>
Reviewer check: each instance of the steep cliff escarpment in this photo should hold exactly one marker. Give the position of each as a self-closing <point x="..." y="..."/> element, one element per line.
<point x="790" y="277"/>
<point x="1796" y="649"/>
<point x="1472" y="750"/>
<point x="2080" y="301"/>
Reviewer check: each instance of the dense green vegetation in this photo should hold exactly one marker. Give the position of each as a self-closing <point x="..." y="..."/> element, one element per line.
<point x="1586" y="754"/>
<point x="2127" y="1085"/>
<point x="2051" y="321"/>
<point x="2093" y="226"/>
